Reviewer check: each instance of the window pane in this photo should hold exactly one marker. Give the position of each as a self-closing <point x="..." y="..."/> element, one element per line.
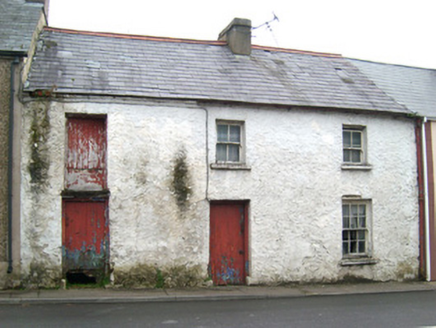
<point x="353" y="223"/>
<point x="347" y="155"/>
<point x="361" y="235"/>
<point x="354" y="210"/>
<point x="235" y="133"/>
<point x="362" y="210"/>
<point x="345" y="235"/>
<point x="345" y="248"/>
<point x="356" y="140"/>
<point x="353" y="235"/>
<point x="222" y="132"/>
<point x="346" y="222"/>
<point x="345" y="210"/>
<point x="221" y="153"/>
<point x="362" y="223"/>
<point x="233" y="153"/>
<point x="353" y="247"/>
<point x="355" y="156"/>
<point x="346" y="138"/>
<point x="362" y="247"/>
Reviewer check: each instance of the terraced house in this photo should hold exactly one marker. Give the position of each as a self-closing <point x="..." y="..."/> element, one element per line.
<point x="158" y="161"/>
<point x="20" y="23"/>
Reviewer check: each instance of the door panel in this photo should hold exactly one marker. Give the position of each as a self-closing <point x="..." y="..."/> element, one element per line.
<point x="85" y="235"/>
<point x="86" y="154"/>
<point x="228" y="243"/>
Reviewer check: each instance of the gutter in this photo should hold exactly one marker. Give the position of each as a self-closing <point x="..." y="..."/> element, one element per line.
<point x="12" y="53"/>
<point x="14" y="63"/>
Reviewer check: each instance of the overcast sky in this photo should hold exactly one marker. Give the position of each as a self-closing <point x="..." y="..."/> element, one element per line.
<point x="392" y="31"/>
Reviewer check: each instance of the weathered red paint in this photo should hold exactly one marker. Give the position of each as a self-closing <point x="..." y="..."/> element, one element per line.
<point x="86" y="154"/>
<point x="228" y="243"/>
<point x="85" y="235"/>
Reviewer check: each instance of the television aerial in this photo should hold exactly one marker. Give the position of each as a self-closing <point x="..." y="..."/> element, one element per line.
<point x="267" y="25"/>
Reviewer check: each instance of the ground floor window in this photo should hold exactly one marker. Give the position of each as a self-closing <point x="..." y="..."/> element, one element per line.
<point x="355" y="228"/>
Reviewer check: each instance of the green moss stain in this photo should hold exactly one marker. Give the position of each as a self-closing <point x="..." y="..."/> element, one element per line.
<point x="147" y="276"/>
<point x="405" y="271"/>
<point x="49" y="44"/>
<point x="41" y="275"/>
<point x="181" y="179"/>
<point x="39" y="158"/>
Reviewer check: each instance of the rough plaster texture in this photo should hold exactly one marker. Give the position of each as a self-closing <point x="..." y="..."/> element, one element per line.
<point x="295" y="188"/>
<point x="5" y="75"/>
<point x="296" y="185"/>
<point x="147" y="226"/>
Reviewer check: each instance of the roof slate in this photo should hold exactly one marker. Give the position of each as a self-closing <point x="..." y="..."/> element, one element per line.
<point x="411" y="86"/>
<point x="86" y="63"/>
<point x="18" y="21"/>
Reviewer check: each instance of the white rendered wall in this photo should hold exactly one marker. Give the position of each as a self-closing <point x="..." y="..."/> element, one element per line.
<point x="296" y="184"/>
<point x="295" y="188"/>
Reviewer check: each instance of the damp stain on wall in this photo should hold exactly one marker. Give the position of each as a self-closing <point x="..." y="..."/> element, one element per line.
<point x="39" y="163"/>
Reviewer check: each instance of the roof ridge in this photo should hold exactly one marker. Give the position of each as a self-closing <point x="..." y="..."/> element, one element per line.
<point x="132" y="36"/>
<point x="390" y="64"/>
<point x="190" y="41"/>
<point x="295" y="51"/>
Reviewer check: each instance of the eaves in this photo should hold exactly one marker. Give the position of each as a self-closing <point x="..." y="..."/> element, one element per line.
<point x="104" y="97"/>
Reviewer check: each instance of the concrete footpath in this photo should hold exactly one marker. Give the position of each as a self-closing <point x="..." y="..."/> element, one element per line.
<point x="119" y="295"/>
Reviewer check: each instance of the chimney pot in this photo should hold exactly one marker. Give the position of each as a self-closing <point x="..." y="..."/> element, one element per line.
<point x="238" y="36"/>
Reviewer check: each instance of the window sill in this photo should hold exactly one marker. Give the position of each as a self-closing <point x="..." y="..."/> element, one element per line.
<point x="230" y="166"/>
<point x="358" y="261"/>
<point x="357" y="167"/>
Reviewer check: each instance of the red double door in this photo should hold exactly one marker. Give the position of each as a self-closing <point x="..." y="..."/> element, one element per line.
<point x="85" y="233"/>
<point x="228" y="243"/>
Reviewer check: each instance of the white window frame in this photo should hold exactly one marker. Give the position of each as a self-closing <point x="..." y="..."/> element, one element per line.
<point x="363" y="163"/>
<point x="240" y="144"/>
<point x="352" y="229"/>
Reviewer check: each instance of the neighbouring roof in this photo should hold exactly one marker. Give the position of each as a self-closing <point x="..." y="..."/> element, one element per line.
<point x="411" y="86"/>
<point x="18" y="21"/>
<point x="124" y="65"/>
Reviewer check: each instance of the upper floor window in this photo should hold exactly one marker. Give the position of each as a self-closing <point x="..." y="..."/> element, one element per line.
<point x="354" y="148"/>
<point x="229" y="145"/>
<point x="353" y="145"/>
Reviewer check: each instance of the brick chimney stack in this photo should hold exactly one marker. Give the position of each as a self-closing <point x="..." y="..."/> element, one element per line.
<point x="238" y="36"/>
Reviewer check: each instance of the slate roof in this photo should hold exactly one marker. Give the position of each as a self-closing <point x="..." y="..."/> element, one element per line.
<point x="411" y="86"/>
<point x="18" y="21"/>
<point x="109" y="64"/>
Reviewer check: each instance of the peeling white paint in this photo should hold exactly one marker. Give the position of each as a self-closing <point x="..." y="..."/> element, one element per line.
<point x="295" y="188"/>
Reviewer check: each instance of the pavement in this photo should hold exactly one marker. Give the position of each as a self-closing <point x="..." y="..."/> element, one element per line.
<point x="120" y="295"/>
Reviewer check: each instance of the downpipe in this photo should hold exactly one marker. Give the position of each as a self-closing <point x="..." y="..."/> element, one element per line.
<point x="14" y="64"/>
<point x="426" y="205"/>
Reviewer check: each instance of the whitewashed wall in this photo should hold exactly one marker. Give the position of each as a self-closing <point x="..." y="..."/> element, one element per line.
<point x="295" y="187"/>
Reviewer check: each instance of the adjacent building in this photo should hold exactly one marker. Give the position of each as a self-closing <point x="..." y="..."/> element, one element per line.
<point x="20" y="23"/>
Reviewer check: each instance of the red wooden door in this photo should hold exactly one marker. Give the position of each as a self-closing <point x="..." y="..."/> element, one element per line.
<point x="228" y="243"/>
<point x="85" y="235"/>
<point x="86" y="154"/>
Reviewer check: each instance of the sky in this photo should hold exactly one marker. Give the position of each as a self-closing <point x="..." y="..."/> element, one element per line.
<point x="390" y="31"/>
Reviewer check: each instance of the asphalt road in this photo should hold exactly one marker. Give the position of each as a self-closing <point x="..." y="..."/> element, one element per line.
<point x="411" y="309"/>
